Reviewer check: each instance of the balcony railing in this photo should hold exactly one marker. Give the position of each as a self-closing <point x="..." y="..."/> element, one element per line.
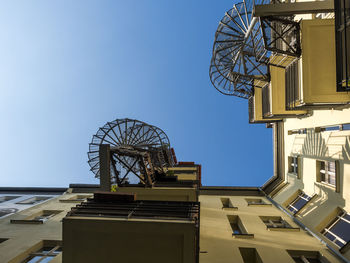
<point x="292" y="85"/>
<point x="251" y="109"/>
<point x="165" y="210"/>
<point x="266" y="101"/>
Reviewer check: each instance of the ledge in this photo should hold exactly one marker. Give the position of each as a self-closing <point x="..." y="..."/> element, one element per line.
<point x="24" y="221"/>
<point x="230" y="208"/>
<point x="246" y="236"/>
<point x="285" y="229"/>
<point x="259" y="204"/>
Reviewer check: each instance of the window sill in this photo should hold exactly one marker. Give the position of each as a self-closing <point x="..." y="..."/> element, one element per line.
<point x="286" y="229"/>
<point x="245" y="236"/>
<point x="294" y="175"/>
<point x="329" y="186"/>
<point x="230" y="208"/>
<point x="24" y="221"/>
<point x="345" y="248"/>
<point x="71" y="201"/>
<point x="259" y="204"/>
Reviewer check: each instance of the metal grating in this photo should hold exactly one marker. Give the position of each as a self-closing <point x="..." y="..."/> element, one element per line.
<point x="165" y="210"/>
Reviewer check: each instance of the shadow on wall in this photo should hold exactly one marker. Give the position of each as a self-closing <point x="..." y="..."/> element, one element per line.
<point x="335" y="145"/>
<point x="314" y="145"/>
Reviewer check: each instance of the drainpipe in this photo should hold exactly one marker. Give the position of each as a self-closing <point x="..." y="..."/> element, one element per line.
<point x="334" y="251"/>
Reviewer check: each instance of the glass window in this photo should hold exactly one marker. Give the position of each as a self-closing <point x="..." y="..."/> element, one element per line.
<point x="300" y="256"/>
<point x="250" y="255"/>
<point x="257" y="201"/>
<point x="293" y="164"/>
<point x="338" y="231"/>
<point x="299" y="202"/>
<point x="33" y="200"/>
<point x="7" y="198"/>
<point x="274" y="222"/>
<point x="327" y="173"/>
<point x="45" y="254"/>
<point x="7" y="211"/>
<point x="226" y="204"/>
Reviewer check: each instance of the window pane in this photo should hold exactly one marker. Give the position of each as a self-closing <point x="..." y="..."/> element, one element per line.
<point x="342" y="230"/>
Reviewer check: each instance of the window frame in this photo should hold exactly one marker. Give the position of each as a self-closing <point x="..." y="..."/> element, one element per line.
<point x="300" y="195"/>
<point x="236" y="224"/>
<point x="281" y="225"/>
<point x="36" y="200"/>
<point x="327" y="229"/>
<point x="324" y="173"/>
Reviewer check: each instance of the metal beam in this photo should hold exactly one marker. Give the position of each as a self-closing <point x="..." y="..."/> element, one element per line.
<point x="288" y="9"/>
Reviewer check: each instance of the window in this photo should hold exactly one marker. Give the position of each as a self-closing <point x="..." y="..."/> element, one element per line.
<point x="250" y="255"/>
<point x="327" y="172"/>
<point x="293" y="164"/>
<point x="7" y="198"/>
<point x="338" y="230"/>
<point x="49" y="250"/>
<point x="237" y="227"/>
<point x="255" y="202"/>
<point x="3" y="239"/>
<point x="299" y="131"/>
<point x="37" y="218"/>
<point x="76" y="199"/>
<point x="298" y="203"/>
<point x="33" y="200"/>
<point x="342" y="37"/>
<point x="276" y="222"/>
<point x="227" y="205"/>
<point x="303" y="256"/>
<point x="338" y="127"/>
<point x="7" y="211"/>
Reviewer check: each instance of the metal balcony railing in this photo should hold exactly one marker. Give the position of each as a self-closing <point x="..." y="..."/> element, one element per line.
<point x="165" y="210"/>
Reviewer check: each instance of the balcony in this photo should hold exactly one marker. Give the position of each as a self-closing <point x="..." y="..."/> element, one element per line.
<point x="114" y="227"/>
<point x="311" y="79"/>
<point x="274" y="96"/>
<point x="255" y="106"/>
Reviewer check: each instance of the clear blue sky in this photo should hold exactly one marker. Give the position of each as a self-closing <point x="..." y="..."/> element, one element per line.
<point x="68" y="67"/>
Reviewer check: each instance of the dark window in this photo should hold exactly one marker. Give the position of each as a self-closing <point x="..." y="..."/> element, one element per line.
<point x="226" y="204"/>
<point x="299" y="202"/>
<point x="250" y="255"/>
<point x="338" y="231"/>
<point x="342" y="29"/>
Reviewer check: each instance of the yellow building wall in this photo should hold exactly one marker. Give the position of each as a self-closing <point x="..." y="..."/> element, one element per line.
<point x="218" y="245"/>
<point x="25" y="238"/>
